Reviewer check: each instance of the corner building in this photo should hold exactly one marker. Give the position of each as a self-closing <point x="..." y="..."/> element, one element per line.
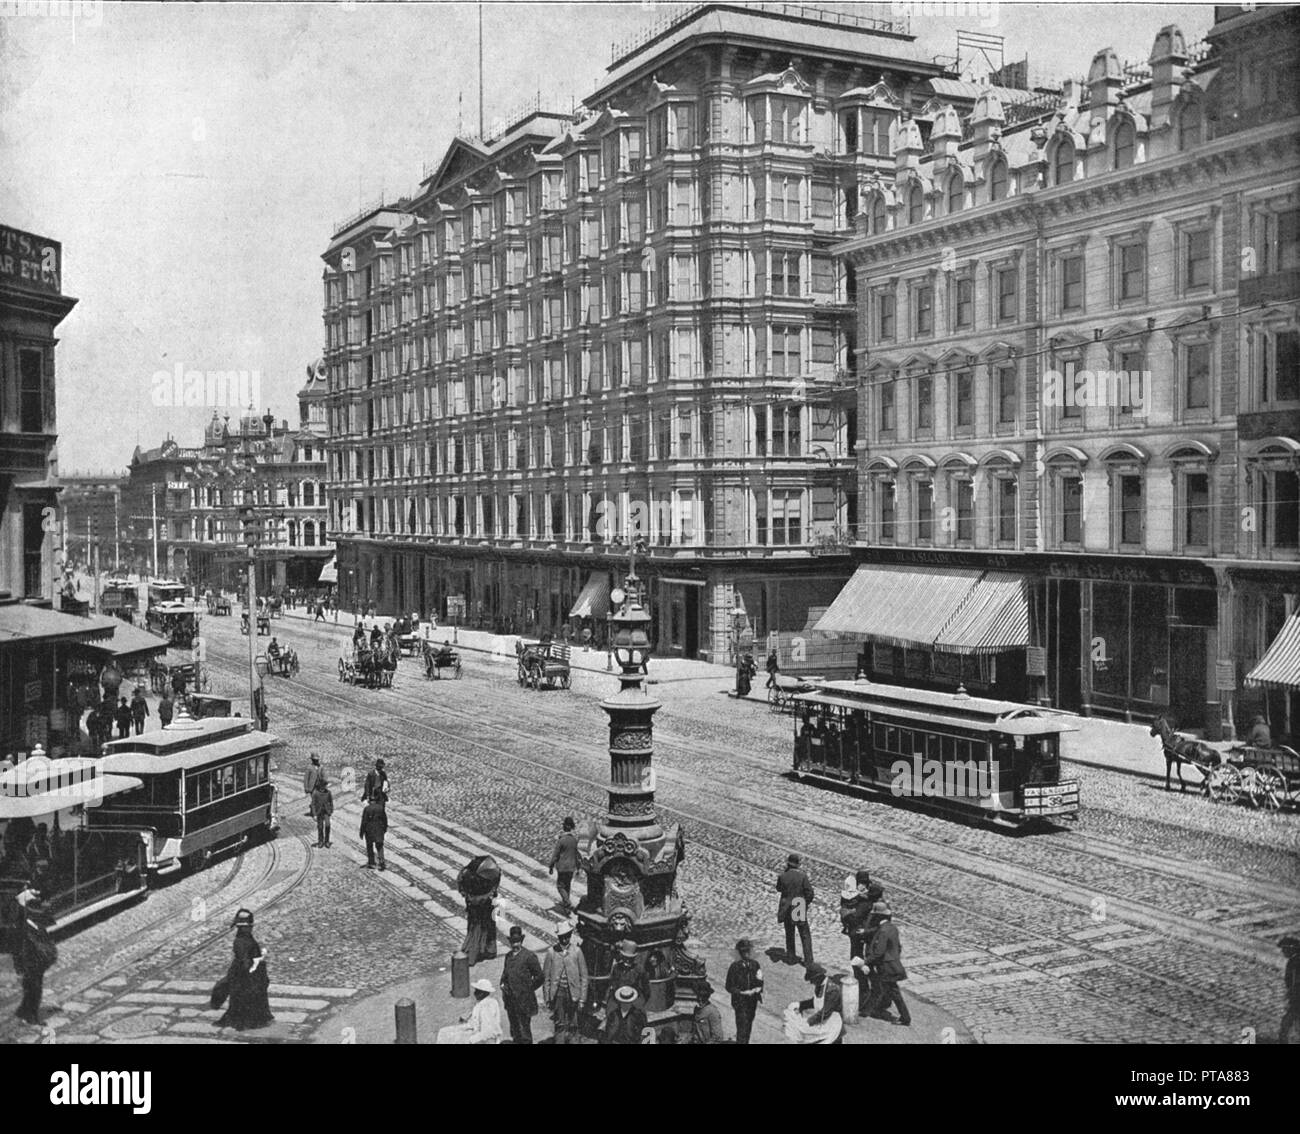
<point x="625" y="323"/>
<point x="1081" y="385"/>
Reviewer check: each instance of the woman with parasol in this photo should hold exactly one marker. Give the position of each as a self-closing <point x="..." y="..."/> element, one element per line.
<point x="478" y="883"/>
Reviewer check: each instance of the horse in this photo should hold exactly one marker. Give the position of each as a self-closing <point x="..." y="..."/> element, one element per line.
<point x="1180" y="750"/>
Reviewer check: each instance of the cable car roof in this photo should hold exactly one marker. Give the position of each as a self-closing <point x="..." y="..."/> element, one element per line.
<point x="1009" y="724"/>
<point x="190" y="759"/>
<point x="89" y="793"/>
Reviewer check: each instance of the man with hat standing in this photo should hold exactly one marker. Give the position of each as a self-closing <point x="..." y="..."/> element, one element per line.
<point x="374" y="826"/>
<point x="33" y="954"/>
<point x="564" y="983"/>
<point x="796" y="896"/>
<point x="521" y="977"/>
<point x="313" y="773"/>
<point x="376" y="783"/>
<point x="856" y="901"/>
<point x="627" y="972"/>
<point x="564" y="863"/>
<point x="745" y="984"/>
<point x="884" y="956"/>
<point x="626" y="1023"/>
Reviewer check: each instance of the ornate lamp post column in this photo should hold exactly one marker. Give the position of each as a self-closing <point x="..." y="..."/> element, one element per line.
<point x="633" y="859"/>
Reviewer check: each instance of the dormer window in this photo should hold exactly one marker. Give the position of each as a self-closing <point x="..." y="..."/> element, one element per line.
<point x="915" y="205"/>
<point x="956" y="193"/>
<point x="1063" y="163"/>
<point x="998" y="180"/>
<point x="1125" y="145"/>
<point x="1189" y="126"/>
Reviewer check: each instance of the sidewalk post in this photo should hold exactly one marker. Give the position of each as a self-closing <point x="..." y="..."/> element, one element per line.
<point x="404" y="1014"/>
<point x="459" y="976"/>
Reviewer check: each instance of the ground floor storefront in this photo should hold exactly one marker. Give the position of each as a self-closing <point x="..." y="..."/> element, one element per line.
<point x="701" y="608"/>
<point x="1106" y="635"/>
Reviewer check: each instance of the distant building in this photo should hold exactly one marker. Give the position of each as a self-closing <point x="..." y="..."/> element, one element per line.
<point x="91" y="509"/>
<point x="1080" y="348"/>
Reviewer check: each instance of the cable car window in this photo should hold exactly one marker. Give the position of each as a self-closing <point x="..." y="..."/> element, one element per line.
<point x="891" y="738"/>
<point x="949" y="749"/>
<point x="932" y="747"/>
<point x="227" y="775"/>
<point x="881" y="740"/>
<point x="964" y="753"/>
<point x="241" y="776"/>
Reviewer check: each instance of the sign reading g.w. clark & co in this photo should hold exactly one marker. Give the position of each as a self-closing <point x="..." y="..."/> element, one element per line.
<point x="30" y="262"/>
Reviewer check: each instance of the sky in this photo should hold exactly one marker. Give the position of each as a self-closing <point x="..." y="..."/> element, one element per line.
<point x="194" y="159"/>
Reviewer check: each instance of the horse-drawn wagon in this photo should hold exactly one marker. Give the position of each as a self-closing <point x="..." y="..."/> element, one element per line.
<point x="219" y="605"/>
<point x="543" y="664"/>
<point x="783" y="689"/>
<point x="282" y="662"/>
<point x="1268" y="778"/>
<point x="439" y="658"/>
<point x="371" y="666"/>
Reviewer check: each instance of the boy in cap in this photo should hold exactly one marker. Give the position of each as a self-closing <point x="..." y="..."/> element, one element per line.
<point x="564" y="983"/>
<point x="564" y="863"/>
<point x="796" y="896"/>
<point x="707" y="1024"/>
<point x="521" y="977"/>
<point x="745" y="984"/>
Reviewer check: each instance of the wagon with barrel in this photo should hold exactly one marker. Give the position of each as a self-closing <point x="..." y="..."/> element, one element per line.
<point x="543" y="664"/>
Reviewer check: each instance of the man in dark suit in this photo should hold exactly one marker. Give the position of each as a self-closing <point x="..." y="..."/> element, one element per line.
<point x="564" y="863"/>
<point x="884" y="956"/>
<point x="828" y="993"/>
<point x="521" y="977"/>
<point x="374" y="826"/>
<point x="796" y="896"/>
<point x="376" y="783"/>
<point x="626" y="1021"/>
<point x="745" y="984"/>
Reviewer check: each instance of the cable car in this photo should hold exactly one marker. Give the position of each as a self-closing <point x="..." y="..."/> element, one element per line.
<point x="995" y="760"/>
<point x="166" y="590"/>
<point x="205" y="787"/>
<point x="46" y="839"/>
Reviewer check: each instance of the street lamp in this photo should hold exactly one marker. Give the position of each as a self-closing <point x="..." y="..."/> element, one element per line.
<point x="737" y="625"/>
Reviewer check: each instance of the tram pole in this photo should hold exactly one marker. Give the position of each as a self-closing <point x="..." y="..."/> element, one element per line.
<point x="252" y="636"/>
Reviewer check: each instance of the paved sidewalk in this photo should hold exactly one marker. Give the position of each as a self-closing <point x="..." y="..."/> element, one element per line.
<point x="372" y="1020"/>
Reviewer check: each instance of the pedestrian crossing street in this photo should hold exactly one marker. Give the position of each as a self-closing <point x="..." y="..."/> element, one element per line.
<point x="424" y="854"/>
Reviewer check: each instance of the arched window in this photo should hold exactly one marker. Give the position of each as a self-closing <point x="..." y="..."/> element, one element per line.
<point x="1063" y="163"/>
<point x="1189" y="126"/>
<point x="309" y="534"/>
<point x="308" y="494"/>
<point x="293" y="533"/>
<point x="956" y="193"/>
<point x="879" y="218"/>
<point x="1125" y="145"/>
<point x="998" y="180"/>
<point x="915" y="205"/>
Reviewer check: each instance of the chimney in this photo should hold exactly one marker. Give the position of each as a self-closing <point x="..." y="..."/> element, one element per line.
<point x="1168" y="58"/>
<point x="986" y="123"/>
<point x="907" y="146"/>
<point x="1104" y="82"/>
<point x="946" y="136"/>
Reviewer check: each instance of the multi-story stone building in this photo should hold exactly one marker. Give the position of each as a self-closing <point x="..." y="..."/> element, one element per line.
<point x="625" y="323"/>
<point x="1082" y="384"/>
<point x="92" y="516"/>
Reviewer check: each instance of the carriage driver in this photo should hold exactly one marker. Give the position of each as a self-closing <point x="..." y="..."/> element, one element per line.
<point x="446" y="654"/>
<point x="273" y="650"/>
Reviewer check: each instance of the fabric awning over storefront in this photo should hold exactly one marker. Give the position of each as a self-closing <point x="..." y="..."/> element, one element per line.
<point x="128" y="641"/>
<point x="22" y="623"/>
<point x="1279" y="668"/>
<point x="330" y="572"/>
<point x="593" y="602"/>
<point x="899" y="606"/>
<point x="993" y="617"/>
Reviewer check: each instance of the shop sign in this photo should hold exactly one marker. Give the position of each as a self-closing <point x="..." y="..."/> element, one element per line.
<point x="1225" y="676"/>
<point x="30" y="262"/>
<point x="32" y="692"/>
<point x="1035" y="661"/>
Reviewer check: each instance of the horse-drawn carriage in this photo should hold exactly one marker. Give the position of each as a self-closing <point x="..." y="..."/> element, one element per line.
<point x="543" y="664"/>
<point x="439" y="658"/>
<point x="263" y="623"/>
<point x="163" y="676"/>
<point x="783" y="689"/>
<point x="218" y="605"/>
<point x="282" y="662"/>
<point x="1268" y="778"/>
<point x="371" y="666"/>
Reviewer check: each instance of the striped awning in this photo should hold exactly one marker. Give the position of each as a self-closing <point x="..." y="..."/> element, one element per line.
<point x="593" y="602"/>
<point x="899" y="606"/>
<point x="1279" y="668"/>
<point x="994" y="617"/>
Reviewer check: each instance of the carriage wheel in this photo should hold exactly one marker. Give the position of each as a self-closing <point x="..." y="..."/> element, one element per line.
<point x="1224" y="784"/>
<point x="1268" y="789"/>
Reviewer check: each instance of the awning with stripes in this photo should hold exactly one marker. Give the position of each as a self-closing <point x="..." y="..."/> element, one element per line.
<point x="993" y="617"/>
<point x="593" y="601"/>
<point x="897" y="606"/>
<point x="1279" y="668"/>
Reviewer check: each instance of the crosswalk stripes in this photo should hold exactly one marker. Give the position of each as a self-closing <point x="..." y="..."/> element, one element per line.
<point x="189" y="999"/>
<point x="425" y="854"/>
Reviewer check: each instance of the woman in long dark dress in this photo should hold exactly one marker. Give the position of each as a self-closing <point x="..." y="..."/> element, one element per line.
<point x="478" y="883"/>
<point x="247" y="980"/>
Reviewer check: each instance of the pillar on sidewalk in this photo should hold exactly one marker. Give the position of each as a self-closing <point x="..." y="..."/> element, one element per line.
<point x="459" y="975"/>
<point x="404" y="1015"/>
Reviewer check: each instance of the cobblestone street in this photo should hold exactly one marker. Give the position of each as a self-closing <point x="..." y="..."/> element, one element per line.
<point x="1155" y="920"/>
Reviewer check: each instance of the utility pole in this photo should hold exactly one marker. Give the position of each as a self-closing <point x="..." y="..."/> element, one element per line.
<point x="117" y="551"/>
<point x="480" y="71"/>
<point x="153" y="492"/>
<point x="253" y="678"/>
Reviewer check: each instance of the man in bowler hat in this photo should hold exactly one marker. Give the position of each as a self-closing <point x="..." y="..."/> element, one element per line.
<point x="796" y="896"/>
<point x="564" y="863"/>
<point x="745" y="984"/>
<point x="521" y="977"/>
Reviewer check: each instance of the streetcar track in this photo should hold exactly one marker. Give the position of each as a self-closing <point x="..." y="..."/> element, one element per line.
<point x="546" y="775"/>
<point x="1070" y="842"/>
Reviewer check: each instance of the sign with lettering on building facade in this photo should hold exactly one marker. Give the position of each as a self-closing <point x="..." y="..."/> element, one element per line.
<point x="30" y="262"/>
<point x="1035" y="661"/>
